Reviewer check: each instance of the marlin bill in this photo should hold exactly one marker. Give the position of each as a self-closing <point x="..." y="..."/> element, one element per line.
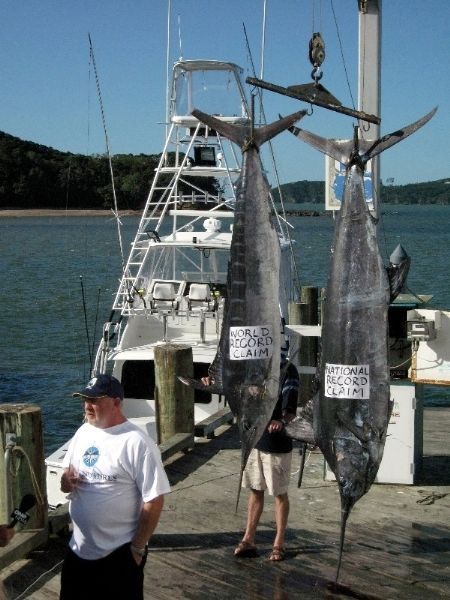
<point x="246" y="368"/>
<point x="350" y="413"/>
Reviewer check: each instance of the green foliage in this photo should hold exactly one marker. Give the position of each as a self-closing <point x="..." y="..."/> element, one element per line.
<point x="313" y="192"/>
<point x="429" y="192"/>
<point x="34" y="176"/>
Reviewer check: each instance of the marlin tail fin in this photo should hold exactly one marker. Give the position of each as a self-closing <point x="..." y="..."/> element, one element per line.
<point x="243" y="135"/>
<point x="345" y="150"/>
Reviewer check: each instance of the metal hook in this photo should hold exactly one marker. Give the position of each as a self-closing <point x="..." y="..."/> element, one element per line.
<point x="310" y="111"/>
<point x="317" y="74"/>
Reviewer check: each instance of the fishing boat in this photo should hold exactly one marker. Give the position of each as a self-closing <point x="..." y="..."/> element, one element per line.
<point x="173" y="284"/>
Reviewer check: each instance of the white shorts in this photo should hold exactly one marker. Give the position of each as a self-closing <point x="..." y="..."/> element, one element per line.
<point x="268" y="471"/>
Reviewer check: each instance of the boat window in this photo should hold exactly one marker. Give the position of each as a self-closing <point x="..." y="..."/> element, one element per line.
<point x="200" y="264"/>
<point x="138" y="379"/>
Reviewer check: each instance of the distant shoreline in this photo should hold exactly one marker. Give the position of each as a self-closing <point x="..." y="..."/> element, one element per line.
<point x="38" y="212"/>
<point x="43" y="212"/>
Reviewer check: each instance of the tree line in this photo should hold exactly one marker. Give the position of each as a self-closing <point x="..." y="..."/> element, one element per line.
<point x="313" y="192"/>
<point x="36" y="176"/>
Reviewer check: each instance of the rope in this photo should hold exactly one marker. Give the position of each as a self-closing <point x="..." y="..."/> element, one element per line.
<point x="37" y="491"/>
<point x="22" y="595"/>
<point x="342" y="54"/>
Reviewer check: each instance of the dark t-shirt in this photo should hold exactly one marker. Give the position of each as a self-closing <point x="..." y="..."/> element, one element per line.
<point x="278" y="441"/>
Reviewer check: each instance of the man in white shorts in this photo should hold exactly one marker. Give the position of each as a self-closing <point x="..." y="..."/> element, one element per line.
<point x="268" y="468"/>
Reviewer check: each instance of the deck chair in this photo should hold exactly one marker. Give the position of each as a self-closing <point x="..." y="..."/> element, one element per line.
<point x="199" y="297"/>
<point x="163" y="296"/>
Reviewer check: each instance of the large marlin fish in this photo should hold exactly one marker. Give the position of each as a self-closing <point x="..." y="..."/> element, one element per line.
<point x="246" y="368"/>
<point x="352" y="409"/>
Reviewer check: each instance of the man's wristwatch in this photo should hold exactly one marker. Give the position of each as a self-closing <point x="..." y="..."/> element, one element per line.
<point x="138" y="551"/>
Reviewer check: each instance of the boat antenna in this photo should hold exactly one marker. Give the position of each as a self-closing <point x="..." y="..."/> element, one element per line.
<point x="169" y="17"/>
<point x="115" y="209"/>
<point x="263" y="40"/>
<point x="179" y="37"/>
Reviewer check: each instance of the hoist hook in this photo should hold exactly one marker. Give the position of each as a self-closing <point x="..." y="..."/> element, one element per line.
<point x="316" y="55"/>
<point x="317" y="74"/>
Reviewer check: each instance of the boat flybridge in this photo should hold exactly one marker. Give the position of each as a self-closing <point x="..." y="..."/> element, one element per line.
<point x="173" y="287"/>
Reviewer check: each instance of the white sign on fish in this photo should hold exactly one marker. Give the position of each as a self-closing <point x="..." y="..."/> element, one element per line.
<point x="347" y="381"/>
<point x="251" y="343"/>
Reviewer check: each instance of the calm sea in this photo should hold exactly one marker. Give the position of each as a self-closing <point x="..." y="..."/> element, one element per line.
<point x="46" y="262"/>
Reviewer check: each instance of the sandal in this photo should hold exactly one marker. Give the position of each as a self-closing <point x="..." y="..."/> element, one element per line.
<point x="245" y="550"/>
<point x="278" y="553"/>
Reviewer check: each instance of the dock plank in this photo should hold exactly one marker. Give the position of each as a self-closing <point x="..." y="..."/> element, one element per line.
<point x="397" y="542"/>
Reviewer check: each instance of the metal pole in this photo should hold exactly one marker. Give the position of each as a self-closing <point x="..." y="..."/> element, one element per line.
<point x="369" y="77"/>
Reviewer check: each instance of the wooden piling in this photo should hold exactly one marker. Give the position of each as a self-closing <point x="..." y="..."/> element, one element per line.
<point x="23" y="468"/>
<point x="174" y="401"/>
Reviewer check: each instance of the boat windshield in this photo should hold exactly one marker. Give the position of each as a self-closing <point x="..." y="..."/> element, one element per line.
<point x="184" y="263"/>
<point x="212" y="87"/>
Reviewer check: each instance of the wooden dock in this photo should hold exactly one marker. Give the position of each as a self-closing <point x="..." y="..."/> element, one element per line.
<point x="397" y="543"/>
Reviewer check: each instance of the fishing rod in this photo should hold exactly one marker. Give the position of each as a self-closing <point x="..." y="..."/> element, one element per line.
<point x="115" y="210"/>
<point x="94" y="336"/>
<point x="83" y="296"/>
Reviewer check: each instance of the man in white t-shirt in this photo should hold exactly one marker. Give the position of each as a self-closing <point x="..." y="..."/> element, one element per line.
<point x="116" y="480"/>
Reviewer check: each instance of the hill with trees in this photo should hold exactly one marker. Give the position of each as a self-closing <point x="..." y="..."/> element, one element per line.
<point x="431" y="192"/>
<point x="36" y="176"/>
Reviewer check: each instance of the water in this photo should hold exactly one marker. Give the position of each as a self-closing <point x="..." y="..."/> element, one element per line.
<point x="42" y="326"/>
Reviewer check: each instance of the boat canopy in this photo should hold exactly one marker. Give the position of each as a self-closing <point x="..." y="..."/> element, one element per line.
<point x="213" y="86"/>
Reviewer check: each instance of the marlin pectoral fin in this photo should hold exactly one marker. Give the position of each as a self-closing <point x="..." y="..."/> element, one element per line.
<point x="359" y="432"/>
<point x="300" y="429"/>
<point x="198" y="385"/>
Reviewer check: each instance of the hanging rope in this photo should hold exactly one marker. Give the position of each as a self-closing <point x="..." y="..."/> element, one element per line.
<point x="342" y="55"/>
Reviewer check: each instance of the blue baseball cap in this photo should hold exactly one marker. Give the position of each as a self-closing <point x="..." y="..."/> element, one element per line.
<point x="100" y="386"/>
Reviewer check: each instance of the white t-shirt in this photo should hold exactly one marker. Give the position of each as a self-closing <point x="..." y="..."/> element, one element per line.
<point x="119" y="468"/>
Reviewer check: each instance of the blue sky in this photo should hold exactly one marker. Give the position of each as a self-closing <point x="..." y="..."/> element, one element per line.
<point x="48" y="97"/>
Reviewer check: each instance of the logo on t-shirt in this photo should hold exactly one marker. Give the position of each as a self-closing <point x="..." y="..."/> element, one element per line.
<point x="90" y="457"/>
